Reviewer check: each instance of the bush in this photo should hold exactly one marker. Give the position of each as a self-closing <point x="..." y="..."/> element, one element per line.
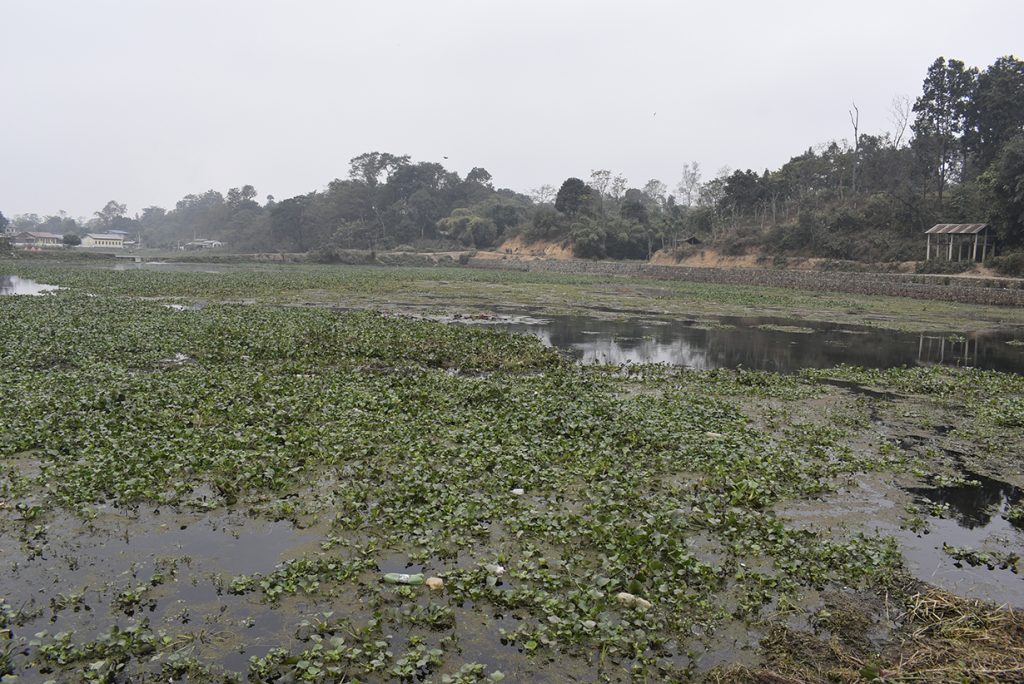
<point x="1008" y="265"/>
<point x="943" y="266"/>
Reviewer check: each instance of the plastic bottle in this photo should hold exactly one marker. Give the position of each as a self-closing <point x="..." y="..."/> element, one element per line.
<point x="403" y="578"/>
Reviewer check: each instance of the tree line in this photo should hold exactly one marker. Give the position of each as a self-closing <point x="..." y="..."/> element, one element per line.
<point x="953" y="154"/>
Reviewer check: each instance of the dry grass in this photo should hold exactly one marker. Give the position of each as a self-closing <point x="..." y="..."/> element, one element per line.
<point x="951" y="638"/>
<point x="942" y="638"/>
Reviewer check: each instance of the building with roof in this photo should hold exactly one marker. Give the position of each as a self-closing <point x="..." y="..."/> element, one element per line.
<point x="36" y="239"/>
<point x="959" y="241"/>
<point x="113" y="240"/>
<point x="203" y="244"/>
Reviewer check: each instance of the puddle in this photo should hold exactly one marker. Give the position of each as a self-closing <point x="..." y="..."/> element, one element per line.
<point x="973" y="520"/>
<point x="974" y="507"/>
<point x="14" y="285"/>
<point x="117" y="551"/>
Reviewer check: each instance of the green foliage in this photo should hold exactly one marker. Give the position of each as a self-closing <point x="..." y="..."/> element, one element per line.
<point x="573" y="197"/>
<point x="538" y="489"/>
<point x="468" y="228"/>
<point x="941" y="118"/>
<point x="1009" y="264"/>
<point x="547" y="224"/>
<point x="937" y="266"/>
<point x="1007" y="183"/>
<point x="995" y="114"/>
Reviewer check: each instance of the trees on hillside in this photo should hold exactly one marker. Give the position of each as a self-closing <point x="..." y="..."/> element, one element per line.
<point x="867" y="197"/>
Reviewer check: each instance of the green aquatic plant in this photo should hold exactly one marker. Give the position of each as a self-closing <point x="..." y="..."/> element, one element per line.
<point x="541" y="491"/>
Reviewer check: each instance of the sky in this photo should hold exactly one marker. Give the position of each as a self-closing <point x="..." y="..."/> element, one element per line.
<point x="145" y="101"/>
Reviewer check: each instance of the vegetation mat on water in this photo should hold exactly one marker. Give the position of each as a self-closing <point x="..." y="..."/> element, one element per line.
<point x="467" y="290"/>
<point x="602" y="523"/>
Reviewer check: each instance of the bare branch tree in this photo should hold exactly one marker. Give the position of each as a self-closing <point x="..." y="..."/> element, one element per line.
<point x="689" y="183"/>
<point x="600" y="179"/>
<point x="855" y="121"/>
<point x="618" y="187"/>
<point x="899" y="116"/>
<point x="544" y="194"/>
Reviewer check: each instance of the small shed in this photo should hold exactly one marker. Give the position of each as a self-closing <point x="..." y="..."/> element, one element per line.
<point x="960" y="241"/>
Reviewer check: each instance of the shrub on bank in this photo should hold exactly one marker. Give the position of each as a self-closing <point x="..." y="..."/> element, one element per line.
<point x="943" y="266"/>
<point x="1008" y="264"/>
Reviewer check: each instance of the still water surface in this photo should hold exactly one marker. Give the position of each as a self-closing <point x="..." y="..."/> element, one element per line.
<point x="758" y="343"/>
<point x="13" y="285"/>
<point x="770" y="344"/>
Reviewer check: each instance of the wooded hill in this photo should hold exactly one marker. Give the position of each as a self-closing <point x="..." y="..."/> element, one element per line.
<point x="955" y="154"/>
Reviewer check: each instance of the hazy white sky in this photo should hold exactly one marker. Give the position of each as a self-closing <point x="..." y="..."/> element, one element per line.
<point x="144" y="101"/>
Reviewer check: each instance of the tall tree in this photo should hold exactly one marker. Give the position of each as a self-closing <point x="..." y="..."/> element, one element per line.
<point x="370" y="166"/>
<point x="110" y="212"/>
<point x="655" y="191"/>
<point x="855" y="122"/>
<point x="941" y="118"/>
<point x="600" y="179"/>
<point x="237" y="197"/>
<point x="899" y="116"/>
<point x="996" y="113"/>
<point x="689" y="183"/>
<point x="572" y="196"/>
<point x="618" y="187"/>
<point x="1007" y="181"/>
<point x="480" y="175"/>
<point x="543" y="194"/>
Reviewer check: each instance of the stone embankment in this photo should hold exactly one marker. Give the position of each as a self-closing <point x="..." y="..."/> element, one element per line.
<point x="999" y="291"/>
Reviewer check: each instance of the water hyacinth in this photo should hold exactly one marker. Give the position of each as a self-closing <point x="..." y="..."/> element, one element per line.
<point x="585" y="522"/>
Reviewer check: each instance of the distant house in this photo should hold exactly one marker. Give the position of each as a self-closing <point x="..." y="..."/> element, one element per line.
<point x="103" y="240"/>
<point x="126" y="236"/>
<point x="959" y="241"/>
<point x="33" y="239"/>
<point x="202" y="244"/>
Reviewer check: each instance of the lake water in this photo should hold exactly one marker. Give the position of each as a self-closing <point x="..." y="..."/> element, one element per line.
<point x="757" y="343"/>
<point x="13" y="285"/>
<point x="770" y="344"/>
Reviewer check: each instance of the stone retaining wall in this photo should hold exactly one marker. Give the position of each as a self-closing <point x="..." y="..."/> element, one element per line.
<point x="1005" y="292"/>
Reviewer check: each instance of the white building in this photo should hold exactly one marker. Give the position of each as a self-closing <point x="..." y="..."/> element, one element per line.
<point x="103" y="240"/>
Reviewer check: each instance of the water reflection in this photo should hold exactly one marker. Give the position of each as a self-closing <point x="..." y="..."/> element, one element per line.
<point x="771" y="344"/>
<point x="949" y="349"/>
<point x="13" y="285"/>
<point x="974" y="506"/>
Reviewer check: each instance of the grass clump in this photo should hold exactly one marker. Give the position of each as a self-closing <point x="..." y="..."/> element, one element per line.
<point x="940" y="638"/>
